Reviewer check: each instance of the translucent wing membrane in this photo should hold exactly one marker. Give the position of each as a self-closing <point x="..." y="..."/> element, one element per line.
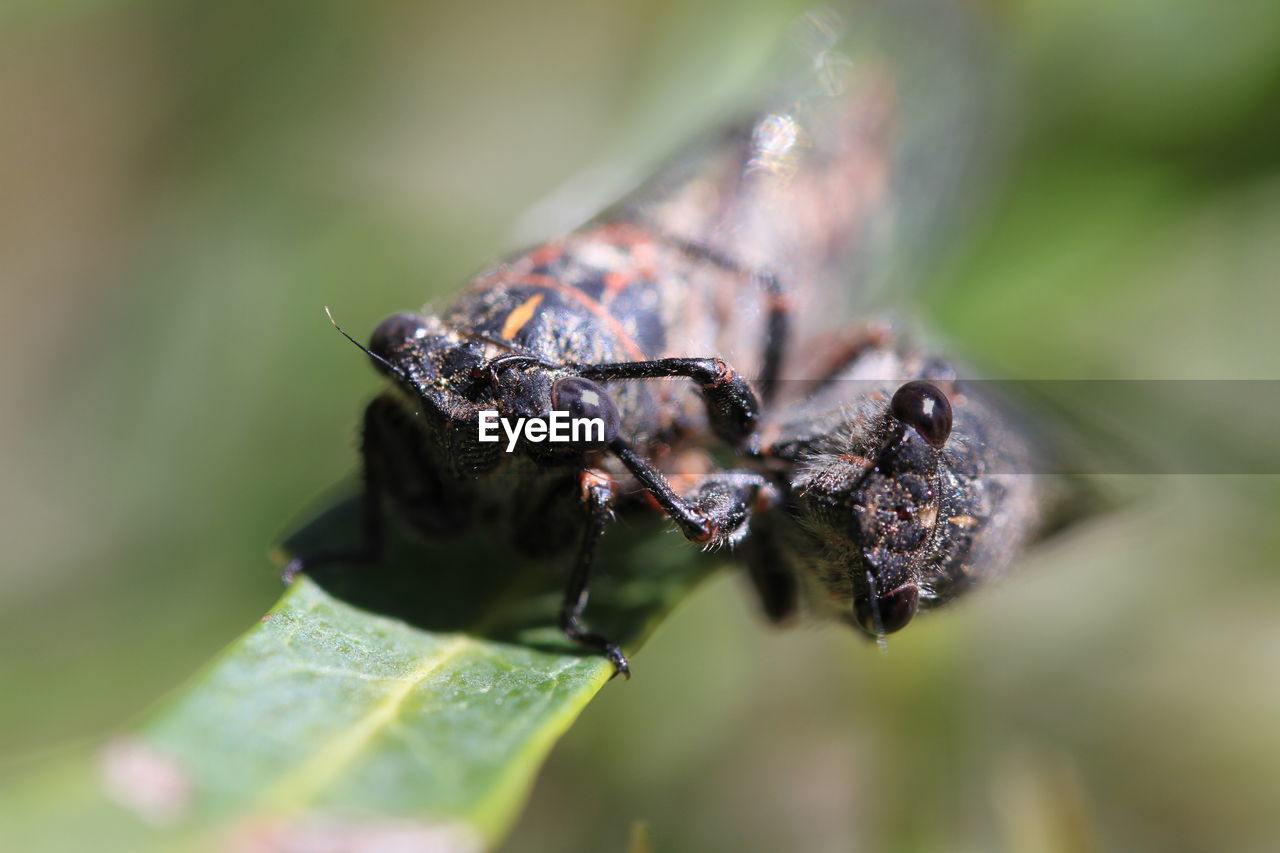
<point x="837" y="192"/>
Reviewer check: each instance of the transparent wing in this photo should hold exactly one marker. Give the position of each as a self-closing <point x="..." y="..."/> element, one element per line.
<point x="850" y="176"/>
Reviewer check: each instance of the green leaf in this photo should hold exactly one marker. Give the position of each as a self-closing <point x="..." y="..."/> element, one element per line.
<point x="411" y="702"/>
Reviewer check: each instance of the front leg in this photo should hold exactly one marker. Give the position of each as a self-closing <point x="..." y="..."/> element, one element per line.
<point x="715" y="512"/>
<point x="597" y="497"/>
<point x="372" y="536"/>
<point x="732" y="407"/>
<point x="395" y="469"/>
<point x="774" y="578"/>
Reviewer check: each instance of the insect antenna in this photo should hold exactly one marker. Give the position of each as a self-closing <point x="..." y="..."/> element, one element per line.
<point x="488" y="373"/>
<point x="488" y="339"/>
<point x="515" y="352"/>
<point x="875" y="614"/>
<point x="373" y="355"/>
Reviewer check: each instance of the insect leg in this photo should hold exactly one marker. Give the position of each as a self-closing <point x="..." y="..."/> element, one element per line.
<point x="394" y="468"/>
<point x="778" y="307"/>
<point x="777" y="330"/>
<point x="597" y="495"/>
<point x="775" y="580"/>
<point x="412" y="480"/>
<point x="371" y="531"/>
<point x="717" y="511"/>
<point x="838" y="353"/>
<point x="731" y="404"/>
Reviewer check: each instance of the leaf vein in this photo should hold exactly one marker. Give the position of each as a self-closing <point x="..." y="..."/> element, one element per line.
<point x="301" y="784"/>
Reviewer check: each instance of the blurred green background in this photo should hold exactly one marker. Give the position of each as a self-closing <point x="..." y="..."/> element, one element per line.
<point x="184" y="185"/>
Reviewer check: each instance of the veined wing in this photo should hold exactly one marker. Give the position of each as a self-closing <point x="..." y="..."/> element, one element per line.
<point x="845" y="182"/>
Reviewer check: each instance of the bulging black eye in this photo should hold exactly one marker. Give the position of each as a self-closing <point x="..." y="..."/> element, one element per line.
<point x="392" y="334"/>
<point x="892" y="610"/>
<point x="582" y="398"/>
<point x="921" y="406"/>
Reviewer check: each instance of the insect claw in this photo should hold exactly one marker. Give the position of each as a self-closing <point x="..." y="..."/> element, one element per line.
<point x="621" y="666"/>
<point x="291" y="570"/>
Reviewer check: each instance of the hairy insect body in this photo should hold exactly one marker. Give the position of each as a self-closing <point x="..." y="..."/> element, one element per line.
<point x="884" y="518"/>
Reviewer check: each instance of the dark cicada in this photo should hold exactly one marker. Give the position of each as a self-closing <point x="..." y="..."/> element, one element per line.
<point x="733" y="271"/>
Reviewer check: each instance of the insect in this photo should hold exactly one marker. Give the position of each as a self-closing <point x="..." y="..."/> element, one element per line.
<point x="900" y="493"/>
<point x="875" y="500"/>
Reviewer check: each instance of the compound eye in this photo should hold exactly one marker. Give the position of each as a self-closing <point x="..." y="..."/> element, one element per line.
<point x="892" y="610"/>
<point x="392" y="334"/>
<point x="584" y="399"/>
<point x="921" y="406"/>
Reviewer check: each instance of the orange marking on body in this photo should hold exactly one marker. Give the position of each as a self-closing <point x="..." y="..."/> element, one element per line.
<point x="624" y="233"/>
<point x="616" y="282"/>
<point x="638" y="242"/>
<point x="545" y="281"/>
<point x="517" y="319"/>
<point x="593" y="479"/>
<point x="768" y="438"/>
<point x="646" y="259"/>
<point x="546" y="254"/>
